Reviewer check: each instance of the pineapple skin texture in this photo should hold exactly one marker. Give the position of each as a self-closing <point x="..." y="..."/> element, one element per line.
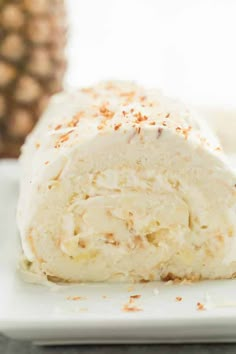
<point x="32" y="65"/>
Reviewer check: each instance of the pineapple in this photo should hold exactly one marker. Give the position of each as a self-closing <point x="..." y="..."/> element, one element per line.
<point x="32" y="65"/>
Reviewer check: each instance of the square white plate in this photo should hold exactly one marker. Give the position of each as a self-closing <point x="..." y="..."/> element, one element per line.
<point x="46" y="316"/>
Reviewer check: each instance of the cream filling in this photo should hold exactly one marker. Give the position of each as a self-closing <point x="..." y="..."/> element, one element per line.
<point x="124" y="210"/>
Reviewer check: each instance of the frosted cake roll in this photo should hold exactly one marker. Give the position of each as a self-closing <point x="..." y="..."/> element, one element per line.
<point x="120" y="183"/>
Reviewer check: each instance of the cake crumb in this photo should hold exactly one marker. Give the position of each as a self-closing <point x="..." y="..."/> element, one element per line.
<point x="159" y="132"/>
<point x="106" y="112"/>
<point x="130" y="306"/>
<point x="135" y="296"/>
<point x="142" y="98"/>
<point x="200" y="307"/>
<point x="117" y="126"/>
<point x="140" y="117"/>
<point x="178" y="298"/>
<point x="75" y="298"/>
<point x="75" y="120"/>
<point x="127" y="308"/>
<point x="58" y="127"/>
<point x="63" y="138"/>
<point x="144" y="281"/>
<point x="186" y="132"/>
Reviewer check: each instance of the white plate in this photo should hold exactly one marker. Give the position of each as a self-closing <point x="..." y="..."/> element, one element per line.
<point x="45" y="315"/>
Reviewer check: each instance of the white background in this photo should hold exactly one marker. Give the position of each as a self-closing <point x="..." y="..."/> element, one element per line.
<point x="185" y="47"/>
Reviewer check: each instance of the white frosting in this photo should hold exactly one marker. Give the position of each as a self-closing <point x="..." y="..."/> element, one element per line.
<point x="121" y="183"/>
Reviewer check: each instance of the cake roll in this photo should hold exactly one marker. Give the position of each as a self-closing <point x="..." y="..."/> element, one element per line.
<point x="121" y="183"/>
